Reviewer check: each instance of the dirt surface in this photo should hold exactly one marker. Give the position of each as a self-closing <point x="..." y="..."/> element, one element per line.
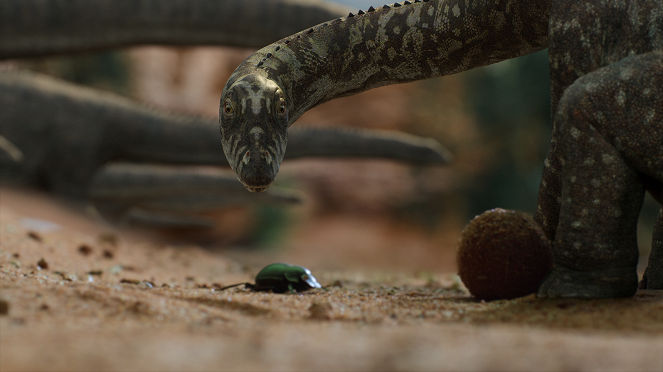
<point x="82" y="295"/>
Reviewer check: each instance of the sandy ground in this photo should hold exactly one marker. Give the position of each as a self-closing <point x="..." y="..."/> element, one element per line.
<point x="86" y="296"/>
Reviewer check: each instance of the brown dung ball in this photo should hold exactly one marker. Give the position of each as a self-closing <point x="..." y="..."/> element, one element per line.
<point x="503" y="255"/>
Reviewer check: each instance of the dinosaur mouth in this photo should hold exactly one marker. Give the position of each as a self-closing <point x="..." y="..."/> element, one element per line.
<point x="257" y="174"/>
<point x="257" y="165"/>
<point x="256" y="188"/>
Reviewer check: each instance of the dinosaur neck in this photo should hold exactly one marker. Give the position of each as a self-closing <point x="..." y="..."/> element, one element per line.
<point x="399" y="43"/>
<point x="29" y="28"/>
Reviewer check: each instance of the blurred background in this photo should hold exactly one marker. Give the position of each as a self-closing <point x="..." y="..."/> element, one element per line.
<point x="361" y="213"/>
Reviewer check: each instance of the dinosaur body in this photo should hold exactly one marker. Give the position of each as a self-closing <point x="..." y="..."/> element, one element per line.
<point x="44" y="27"/>
<point x="607" y="148"/>
<point x="128" y="157"/>
<point x="72" y="134"/>
<point x="71" y="125"/>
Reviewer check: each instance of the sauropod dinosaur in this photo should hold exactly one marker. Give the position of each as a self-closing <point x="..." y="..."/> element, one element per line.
<point x="606" y="69"/>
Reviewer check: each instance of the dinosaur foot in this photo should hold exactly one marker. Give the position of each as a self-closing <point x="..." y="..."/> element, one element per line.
<point x="653" y="278"/>
<point x="606" y="283"/>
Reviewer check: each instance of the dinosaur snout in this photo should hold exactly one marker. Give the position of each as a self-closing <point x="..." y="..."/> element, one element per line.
<point x="258" y="168"/>
<point x="261" y="155"/>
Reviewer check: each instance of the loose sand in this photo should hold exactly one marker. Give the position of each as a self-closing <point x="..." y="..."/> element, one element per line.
<point x="89" y="297"/>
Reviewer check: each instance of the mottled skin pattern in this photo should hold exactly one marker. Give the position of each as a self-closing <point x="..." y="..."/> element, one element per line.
<point x="30" y="28"/>
<point x="67" y="136"/>
<point x="130" y="158"/>
<point x="352" y="54"/>
<point x="606" y="68"/>
<point x="607" y="101"/>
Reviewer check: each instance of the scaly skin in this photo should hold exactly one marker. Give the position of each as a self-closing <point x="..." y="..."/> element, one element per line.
<point x="77" y="141"/>
<point x="31" y="28"/>
<point x="62" y="136"/>
<point x="272" y="88"/>
<point x="607" y="148"/>
<point x="56" y="138"/>
<point x="606" y="63"/>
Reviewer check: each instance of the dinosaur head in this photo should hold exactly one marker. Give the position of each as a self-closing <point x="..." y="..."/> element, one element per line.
<point x="254" y="129"/>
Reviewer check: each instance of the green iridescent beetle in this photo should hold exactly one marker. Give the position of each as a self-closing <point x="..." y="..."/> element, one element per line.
<point x="281" y="278"/>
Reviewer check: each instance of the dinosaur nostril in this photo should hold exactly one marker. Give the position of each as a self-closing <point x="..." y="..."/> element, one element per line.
<point x="268" y="157"/>
<point x="247" y="157"/>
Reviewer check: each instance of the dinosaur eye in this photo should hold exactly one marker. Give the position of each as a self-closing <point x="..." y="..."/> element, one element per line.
<point x="228" y="108"/>
<point x="281" y="109"/>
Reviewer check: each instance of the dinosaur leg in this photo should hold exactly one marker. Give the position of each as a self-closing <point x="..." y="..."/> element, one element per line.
<point x="653" y="277"/>
<point x="170" y="196"/>
<point x="609" y="129"/>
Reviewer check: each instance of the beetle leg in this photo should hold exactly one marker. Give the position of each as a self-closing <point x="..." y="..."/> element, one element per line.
<point x="249" y="285"/>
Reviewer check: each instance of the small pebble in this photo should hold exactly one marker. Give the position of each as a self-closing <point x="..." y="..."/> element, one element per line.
<point x="4" y="307"/>
<point x="109" y="238"/>
<point x="320" y="310"/>
<point x="39" y="225"/>
<point x="34" y="236"/>
<point x="66" y="276"/>
<point x="85" y="249"/>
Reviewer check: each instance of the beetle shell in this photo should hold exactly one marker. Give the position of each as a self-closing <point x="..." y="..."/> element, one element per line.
<point x="282" y="277"/>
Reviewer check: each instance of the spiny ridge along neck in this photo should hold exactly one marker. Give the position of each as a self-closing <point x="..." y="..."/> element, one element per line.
<point x="300" y="35"/>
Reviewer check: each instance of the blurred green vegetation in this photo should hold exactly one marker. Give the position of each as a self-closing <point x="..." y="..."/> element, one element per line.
<point x="511" y="102"/>
<point x="496" y="122"/>
<point x="272" y="223"/>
